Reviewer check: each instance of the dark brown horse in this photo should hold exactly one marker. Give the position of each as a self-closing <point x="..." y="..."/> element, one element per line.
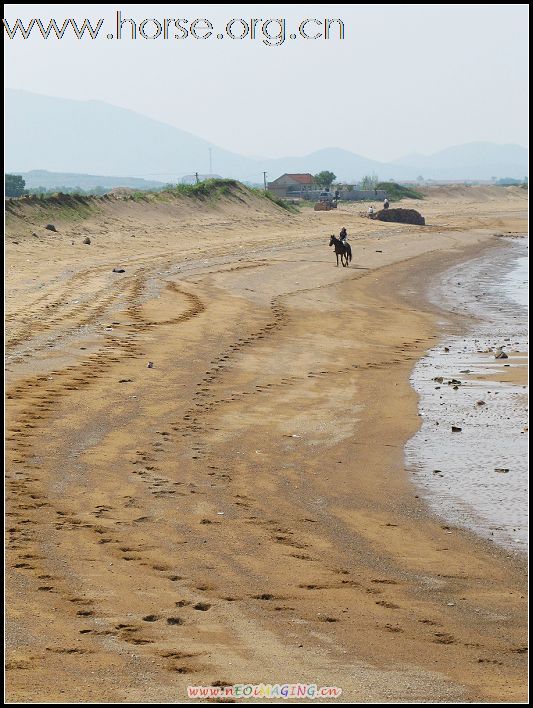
<point x="342" y="249"/>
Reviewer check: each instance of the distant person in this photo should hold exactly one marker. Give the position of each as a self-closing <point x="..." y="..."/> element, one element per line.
<point x="343" y="234"/>
<point x="386" y="203"/>
<point x="370" y="211"/>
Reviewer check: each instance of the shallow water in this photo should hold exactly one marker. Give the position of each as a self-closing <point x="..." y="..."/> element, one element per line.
<point x="477" y="476"/>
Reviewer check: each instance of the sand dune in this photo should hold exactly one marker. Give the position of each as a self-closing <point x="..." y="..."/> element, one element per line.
<point x="239" y="511"/>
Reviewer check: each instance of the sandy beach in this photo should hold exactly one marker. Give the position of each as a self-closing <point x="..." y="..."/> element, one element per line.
<point x="206" y="482"/>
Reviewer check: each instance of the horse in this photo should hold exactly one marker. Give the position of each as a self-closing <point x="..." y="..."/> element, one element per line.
<point x="342" y="249"/>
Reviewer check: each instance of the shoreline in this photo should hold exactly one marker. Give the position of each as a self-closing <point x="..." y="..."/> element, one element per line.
<point x="489" y="398"/>
<point x="256" y="472"/>
<point x="440" y="330"/>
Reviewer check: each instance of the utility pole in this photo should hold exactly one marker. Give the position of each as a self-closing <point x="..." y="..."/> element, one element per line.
<point x="265" y="180"/>
<point x="197" y="177"/>
<point x="210" y="161"/>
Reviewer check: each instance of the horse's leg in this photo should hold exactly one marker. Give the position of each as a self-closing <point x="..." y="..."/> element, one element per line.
<point x="337" y="258"/>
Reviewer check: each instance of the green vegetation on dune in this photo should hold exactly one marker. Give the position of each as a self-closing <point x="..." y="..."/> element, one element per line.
<point x="78" y="191"/>
<point x="213" y="189"/>
<point x="77" y="207"/>
<point x="396" y="191"/>
<point x="207" y="189"/>
<point x="66" y="207"/>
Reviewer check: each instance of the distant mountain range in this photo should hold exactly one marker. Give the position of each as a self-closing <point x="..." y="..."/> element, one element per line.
<point x="93" y="137"/>
<point x="479" y="160"/>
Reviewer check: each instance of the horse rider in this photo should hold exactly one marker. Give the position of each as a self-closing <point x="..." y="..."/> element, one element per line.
<point x="343" y="234"/>
<point x="386" y="203"/>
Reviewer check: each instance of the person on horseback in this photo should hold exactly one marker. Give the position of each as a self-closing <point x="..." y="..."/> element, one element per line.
<point x="343" y="234"/>
<point x="342" y="249"/>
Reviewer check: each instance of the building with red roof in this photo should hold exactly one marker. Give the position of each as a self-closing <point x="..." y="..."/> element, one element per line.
<point x="292" y="184"/>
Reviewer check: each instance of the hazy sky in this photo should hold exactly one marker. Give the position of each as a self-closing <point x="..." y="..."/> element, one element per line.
<point x="405" y="78"/>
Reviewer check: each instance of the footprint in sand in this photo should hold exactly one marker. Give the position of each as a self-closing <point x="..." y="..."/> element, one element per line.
<point x="202" y="606"/>
<point x="151" y="618"/>
<point x="444" y="638"/>
<point x="388" y="605"/>
<point x="174" y="621"/>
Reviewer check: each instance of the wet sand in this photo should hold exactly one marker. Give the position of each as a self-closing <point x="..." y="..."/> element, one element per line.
<point x="240" y="512"/>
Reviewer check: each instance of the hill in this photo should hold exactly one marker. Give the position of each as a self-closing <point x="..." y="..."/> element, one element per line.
<point x="477" y="160"/>
<point x="63" y="135"/>
<point x="116" y="140"/>
<point x="93" y="137"/>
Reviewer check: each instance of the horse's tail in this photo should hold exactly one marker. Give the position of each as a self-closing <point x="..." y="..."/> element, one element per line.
<point x="349" y="251"/>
